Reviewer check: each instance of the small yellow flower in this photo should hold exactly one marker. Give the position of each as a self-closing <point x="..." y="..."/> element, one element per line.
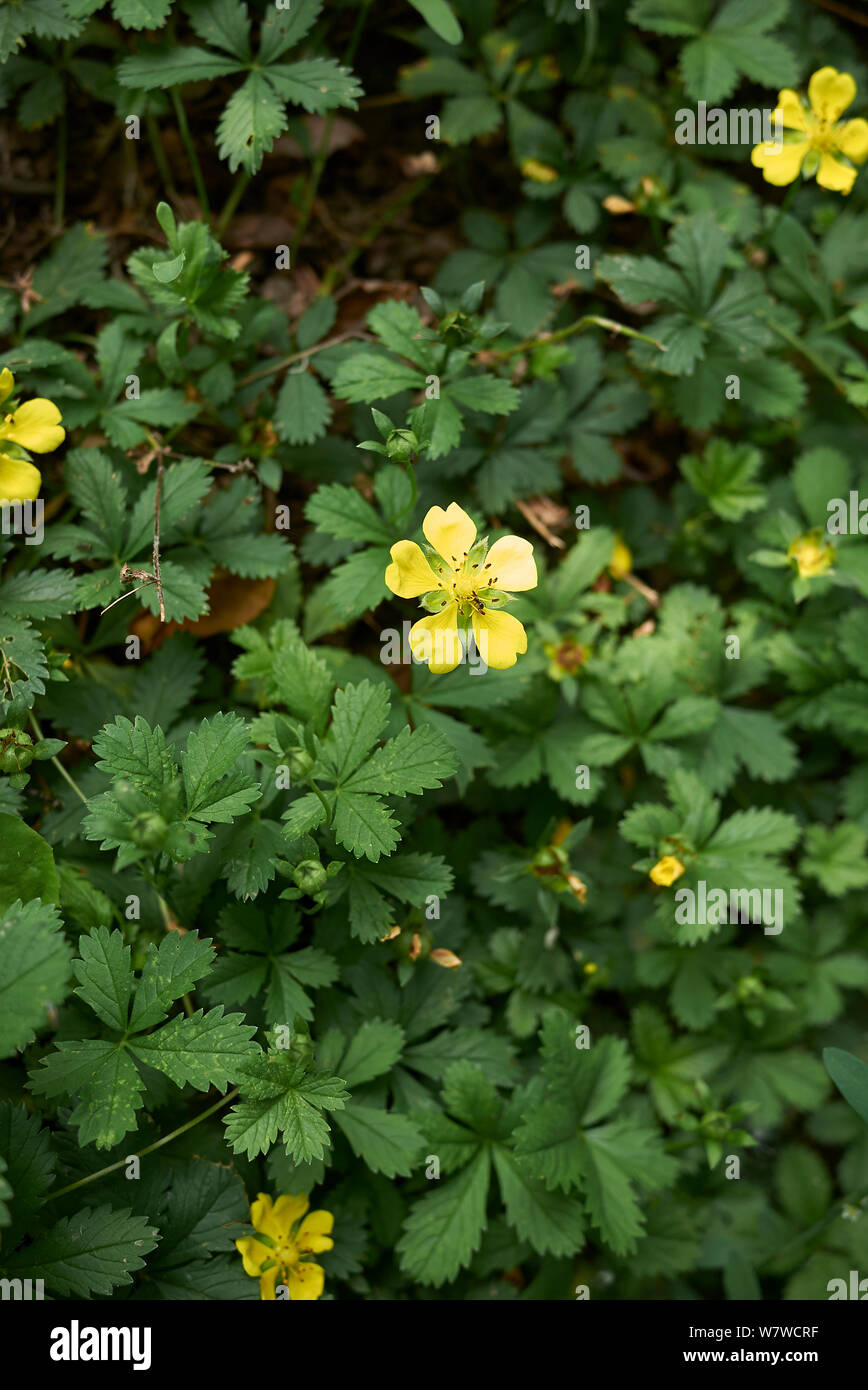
<point x="539" y="172"/>
<point x="34" y="426"/>
<point x="463" y="584"/>
<point x="621" y="562"/>
<point x="666" y="871"/>
<point x="822" y="144"/>
<point x="811" y="556"/>
<point x="290" y="1235"/>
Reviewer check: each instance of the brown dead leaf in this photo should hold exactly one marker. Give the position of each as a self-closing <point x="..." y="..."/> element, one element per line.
<point x="232" y="602"/>
<point x="545" y="516"/>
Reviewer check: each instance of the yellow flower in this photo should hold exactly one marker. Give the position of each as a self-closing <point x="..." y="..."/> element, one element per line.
<point x="621" y="562"/>
<point x="462" y="584"/>
<point x="289" y="1234"/>
<point x="666" y="871"/>
<point x="811" y="557"/>
<point x="539" y="172"/>
<point x="821" y="144"/>
<point x="34" y="426"/>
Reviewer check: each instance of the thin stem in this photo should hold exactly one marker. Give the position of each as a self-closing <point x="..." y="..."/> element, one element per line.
<point x="34" y="724"/>
<point x="832" y="1215"/>
<point x="322" y="153"/>
<point x="816" y="362"/>
<point x="278" y="366"/>
<point x="578" y="327"/>
<point x="328" y="810"/>
<point x="159" y="154"/>
<point x="235" y="196"/>
<point x="187" y="139"/>
<point x="156" y="552"/>
<point x="157" y="1144"/>
<point x="336" y="272"/>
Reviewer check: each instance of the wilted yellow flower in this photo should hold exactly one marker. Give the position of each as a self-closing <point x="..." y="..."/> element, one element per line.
<point x="34" y="426"/>
<point x="666" y="871"/>
<point x="621" y="562"/>
<point x="539" y="172"/>
<point x="822" y="145"/>
<point x="811" y="555"/>
<point x="289" y="1234"/>
<point x="463" y="584"/>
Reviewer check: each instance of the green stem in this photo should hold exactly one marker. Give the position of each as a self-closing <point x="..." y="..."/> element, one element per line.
<point x="578" y="327"/>
<point x="232" y="202"/>
<point x="322" y="153"/>
<point x="782" y="208"/>
<point x="34" y="724"/>
<point x="187" y="139"/>
<point x="157" y="1144"/>
<point x="816" y="362"/>
<point x="278" y="366"/>
<point x="328" y="810"/>
<point x="160" y="154"/>
<point x="336" y="272"/>
<point x="589" y="43"/>
<point x="831" y="1215"/>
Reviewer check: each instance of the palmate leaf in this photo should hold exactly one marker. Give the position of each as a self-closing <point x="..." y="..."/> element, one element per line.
<point x="104" y="1080"/>
<point x="253" y="118"/>
<point x="93" y="1252"/>
<point x="282" y="1094"/>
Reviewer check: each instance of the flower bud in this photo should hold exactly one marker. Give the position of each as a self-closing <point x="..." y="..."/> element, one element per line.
<point x="310" y="876"/>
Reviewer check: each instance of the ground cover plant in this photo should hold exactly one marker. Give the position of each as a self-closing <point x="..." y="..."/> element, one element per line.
<point x="433" y="649"/>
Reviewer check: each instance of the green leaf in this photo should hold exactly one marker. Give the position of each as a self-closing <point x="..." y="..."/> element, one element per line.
<point x="445" y="1226"/>
<point x="375" y="1048"/>
<point x="203" y="1050"/>
<point x="387" y="1142"/>
<point x="27" y="867"/>
<point x="282" y="1095"/>
<point x="850" y="1076"/>
<point x="836" y="857"/>
<point x="105" y="977"/>
<point x="359" y="716"/>
<point x="253" y="118"/>
<point x="440" y="17"/>
<point x="303" y="411"/>
<point x="210" y="755"/>
<point x="549" y="1221"/>
<point x="34" y="970"/>
<point x="93" y="1252"/>
<point x="170" y="971"/>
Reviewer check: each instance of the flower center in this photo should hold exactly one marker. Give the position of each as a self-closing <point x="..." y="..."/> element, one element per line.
<point x="463" y="588"/>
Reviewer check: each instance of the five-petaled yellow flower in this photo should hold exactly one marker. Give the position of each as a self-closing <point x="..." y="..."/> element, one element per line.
<point x="818" y="142"/>
<point x="34" y="426"/>
<point x="288" y="1235"/>
<point x="463" y="584"/>
<point x="666" y="871"/>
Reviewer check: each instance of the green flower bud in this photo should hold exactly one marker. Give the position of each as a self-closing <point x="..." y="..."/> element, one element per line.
<point x="148" y="830"/>
<point x="300" y="763"/>
<point x="310" y="876"/>
<point x="16" y="751"/>
<point x="402" y="445"/>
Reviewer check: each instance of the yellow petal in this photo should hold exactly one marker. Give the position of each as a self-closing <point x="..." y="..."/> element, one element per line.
<point x="252" y="1253"/>
<point x="286" y="1211"/>
<point x="792" y="113"/>
<point x="435" y="640"/>
<point x="451" y="533"/>
<point x="834" y="175"/>
<point x="409" y="574"/>
<point x="852" y="140"/>
<point x="267" y="1283"/>
<point x="499" y="637"/>
<point x="19" y="480"/>
<point x="261" y="1216"/>
<point x="36" y="426"/>
<point x="830" y="93"/>
<point x="306" y="1282"/>
<point x="666" y="871"/>
<point x="780" y="164"/>
<point x="7" y="384"/>
<point x="313" y="1232"/>
<point x="510" y="565"/>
